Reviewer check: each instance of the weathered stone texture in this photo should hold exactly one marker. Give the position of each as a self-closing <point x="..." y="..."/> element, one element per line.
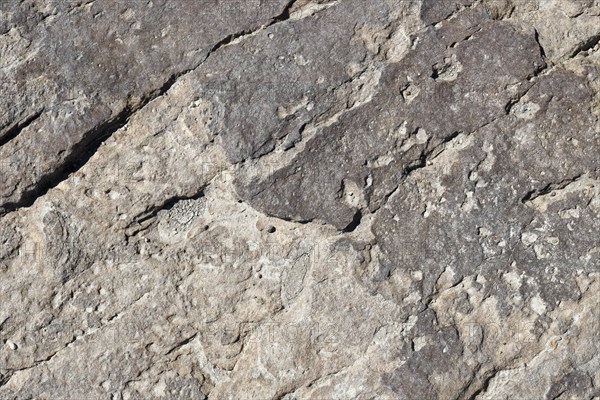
<point x="301" y="199"/>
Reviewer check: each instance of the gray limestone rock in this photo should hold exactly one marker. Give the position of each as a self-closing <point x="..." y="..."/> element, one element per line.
<point x="307" y="199"/>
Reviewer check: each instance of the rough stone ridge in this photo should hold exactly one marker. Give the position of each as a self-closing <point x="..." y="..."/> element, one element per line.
<point x="293" y="200"/>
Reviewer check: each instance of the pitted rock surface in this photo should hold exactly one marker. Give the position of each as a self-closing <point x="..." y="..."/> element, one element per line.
<point x="306" y="199"/>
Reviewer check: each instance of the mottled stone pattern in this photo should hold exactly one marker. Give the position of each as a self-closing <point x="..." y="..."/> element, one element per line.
<point x="294" y="200"/>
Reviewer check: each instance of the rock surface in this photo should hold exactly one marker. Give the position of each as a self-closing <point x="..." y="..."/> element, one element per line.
<point x="310" y="199"/>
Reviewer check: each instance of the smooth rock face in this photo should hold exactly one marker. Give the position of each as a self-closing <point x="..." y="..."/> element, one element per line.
<point x="347" y="199"/>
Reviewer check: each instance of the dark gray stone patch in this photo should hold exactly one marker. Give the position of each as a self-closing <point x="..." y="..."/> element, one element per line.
<point x="309" y="188"/>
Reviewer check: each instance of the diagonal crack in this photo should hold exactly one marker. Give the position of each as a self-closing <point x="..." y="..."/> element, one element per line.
<point x="586" y="45"/>
<point x="537" y="40"/>
<point x="91" y="141"/>
<point x="139" y="222"/>
<point x="433" y="153"/>
<point x="36" y="363"/>
<point x="427" y="156"/>
<point x="14" y="131"/>
<point x="182" y="343"/>
<point x="535" y="193"/>
<point x="5" y="378"/>
<point x="421" y="162"/>
<point x="82" y="151"/>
